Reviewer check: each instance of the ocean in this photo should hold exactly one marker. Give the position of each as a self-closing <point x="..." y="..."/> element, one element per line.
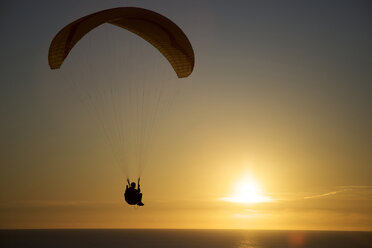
<point x="138" y="238"/>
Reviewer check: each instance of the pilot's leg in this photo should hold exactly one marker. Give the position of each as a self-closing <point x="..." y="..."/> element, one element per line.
<point x="140" y="203"/>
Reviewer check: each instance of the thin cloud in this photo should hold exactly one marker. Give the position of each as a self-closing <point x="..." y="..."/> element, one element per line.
<point x="42" y="204"/>
<point x="326" y="194"/>
<point x="356" y="187"/>
<point x="354" y="191"/>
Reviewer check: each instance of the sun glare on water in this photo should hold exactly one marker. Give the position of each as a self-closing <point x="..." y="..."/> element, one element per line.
<point x="248" y="191"/>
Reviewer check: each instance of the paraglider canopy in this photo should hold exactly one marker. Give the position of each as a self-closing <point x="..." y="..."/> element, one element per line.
<point x="125" y="91"/>
<point x="156" y="29"/>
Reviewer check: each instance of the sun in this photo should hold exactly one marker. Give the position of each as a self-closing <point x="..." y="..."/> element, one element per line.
<point x="248" y="191"/>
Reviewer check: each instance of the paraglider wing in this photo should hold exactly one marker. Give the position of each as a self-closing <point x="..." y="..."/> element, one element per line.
<point x="156" y="29"/>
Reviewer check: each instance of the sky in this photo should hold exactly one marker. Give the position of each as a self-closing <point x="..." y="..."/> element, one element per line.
<point x="280" y="98"/>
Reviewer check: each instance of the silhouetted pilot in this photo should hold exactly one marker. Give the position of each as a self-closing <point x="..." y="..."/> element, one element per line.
<point x="132" y="195"/>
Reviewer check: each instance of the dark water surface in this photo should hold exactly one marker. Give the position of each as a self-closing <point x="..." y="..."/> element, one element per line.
<point x="182" y="238"/>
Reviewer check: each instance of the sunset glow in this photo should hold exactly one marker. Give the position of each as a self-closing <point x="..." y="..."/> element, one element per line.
<point x="248" y="191"/>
